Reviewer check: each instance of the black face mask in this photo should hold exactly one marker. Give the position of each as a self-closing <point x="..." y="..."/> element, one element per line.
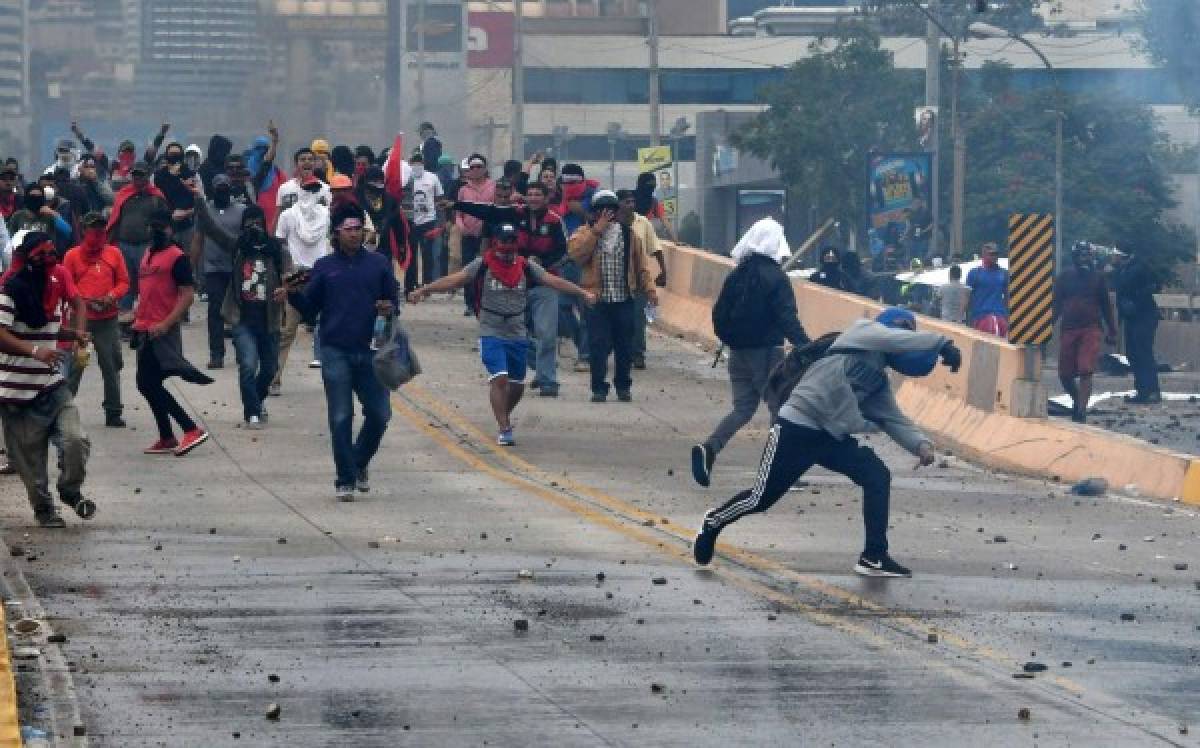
<point x="160" y="238"/>
<point x="34" y="202"/>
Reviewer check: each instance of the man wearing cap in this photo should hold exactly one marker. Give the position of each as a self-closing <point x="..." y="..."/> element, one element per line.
<point x="541" y="239"/>
<point x="99" y="273"/>
<point x="215" y="261"/>
<point x="128" y="224"/>
<point x="498" y="285"/>
<point x="304" y="230"/>
<point x="614" y="264"/>
<point x="321" y="165"/>
<point x="477" y="187"/>
<point x="348" y="289"/>
<point x="426" y="190"/>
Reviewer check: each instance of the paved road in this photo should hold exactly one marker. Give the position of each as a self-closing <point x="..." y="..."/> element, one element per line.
<point x="212" y="586"/>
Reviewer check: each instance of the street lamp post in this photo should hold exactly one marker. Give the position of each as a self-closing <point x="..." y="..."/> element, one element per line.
<point x="987" y="31"/>
<point x="615" y="133"/>
<point x="678" y="130"/>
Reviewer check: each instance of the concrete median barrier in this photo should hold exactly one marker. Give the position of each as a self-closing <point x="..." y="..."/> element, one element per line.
<point x="986" y="411"/>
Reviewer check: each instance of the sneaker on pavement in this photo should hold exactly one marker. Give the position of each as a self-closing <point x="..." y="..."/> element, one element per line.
<point x="363" y="482"/>
<point x="344" y="494"/>
<point x="625" y="396"/>
<point x="275" y="390"/>
<point x="191" y="440"/>
<point x="702" y="462"/>
<point x="880" y="566"/>
<point x="255" y="423"/>
<point x="535" y="385"/>
<point x="114" y="421"/>
<point x="314" y="364"/>
<point x="6" y="468"/>
<point x="505" y="438"/>
<point x="599" y="397"/>
<point x="639" y="361"/>
<point x="705" y="544"/>
<point x="51" y="520"/>
<point x="162" y="447"/>
<point x="84" y="508"/>
<point x="548" y="392"/>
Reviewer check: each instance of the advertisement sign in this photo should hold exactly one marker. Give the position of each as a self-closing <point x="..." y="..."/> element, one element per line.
<point x="654" y="158"/>
<point x="895" y="184"/>
<point x="440" y="24"/>
<point x="490" y="40"/>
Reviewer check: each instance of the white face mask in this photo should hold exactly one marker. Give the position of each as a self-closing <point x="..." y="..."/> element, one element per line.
<point x="49" y="193"/>
<point x="418" y="170"/>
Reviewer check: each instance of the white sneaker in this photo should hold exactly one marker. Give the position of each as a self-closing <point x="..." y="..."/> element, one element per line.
<point x="344" y="493"/>
<point x="314" y="364"/>
<point x="254" y="423"/>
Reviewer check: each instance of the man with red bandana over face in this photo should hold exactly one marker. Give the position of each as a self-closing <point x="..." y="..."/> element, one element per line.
<point x="34" y="403"/>
<point x="99" y="272"/>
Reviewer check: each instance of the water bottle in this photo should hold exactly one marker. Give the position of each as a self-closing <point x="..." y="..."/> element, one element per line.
<point x="379" y="338"/>
<point x="651" y="313"/>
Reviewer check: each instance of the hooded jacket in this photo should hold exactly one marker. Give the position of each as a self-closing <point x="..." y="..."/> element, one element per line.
<point x="219" y="148"/>
<point x="848" y="389"/>
<point x="240" y="247"/>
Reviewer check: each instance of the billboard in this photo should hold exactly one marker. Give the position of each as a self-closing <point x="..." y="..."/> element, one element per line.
<point x="895" y="182"/>
<point x="490" y="40"/>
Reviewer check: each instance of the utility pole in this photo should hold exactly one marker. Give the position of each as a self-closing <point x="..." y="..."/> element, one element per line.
<point x="933" y="82"/>
<point x="393" y="64"/>
<point x="518" y="82"/>
<point x="420" y="113"/>
<point x="655" y="94"/>
<point x="960" y="159"/>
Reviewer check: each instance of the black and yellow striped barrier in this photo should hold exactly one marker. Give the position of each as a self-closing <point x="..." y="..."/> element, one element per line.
<point x="1030" y="278"/>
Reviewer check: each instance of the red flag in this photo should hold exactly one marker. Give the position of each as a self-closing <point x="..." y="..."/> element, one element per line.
<point x="394" y="179"/>
<point x="393" y="170"/>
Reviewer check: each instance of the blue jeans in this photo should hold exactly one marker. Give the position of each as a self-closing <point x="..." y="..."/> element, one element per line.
<point x="346" y="374"/>
<point x="257" y="350"/>
<point x="572" y="320"/>
<point x="543" y="311"/>
<point x="133" y="254"/>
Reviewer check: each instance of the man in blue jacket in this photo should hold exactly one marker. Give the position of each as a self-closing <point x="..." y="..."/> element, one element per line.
<point x="839" y="396"/>
<point x="348" y="288"/>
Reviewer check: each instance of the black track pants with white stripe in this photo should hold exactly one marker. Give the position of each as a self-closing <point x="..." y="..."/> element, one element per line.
<point x="791" y="450"/>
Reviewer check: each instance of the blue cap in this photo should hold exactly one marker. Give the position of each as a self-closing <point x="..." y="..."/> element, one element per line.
<point x="895" y="316"/>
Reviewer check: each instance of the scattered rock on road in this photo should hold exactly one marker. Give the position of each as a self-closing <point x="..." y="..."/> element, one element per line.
<point x="273" y="712"/>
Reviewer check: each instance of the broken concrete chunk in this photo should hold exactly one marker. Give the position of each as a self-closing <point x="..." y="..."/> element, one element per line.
<point x="1034" y="667"/>
<point x="1024" y="714"/>
<point x="273" y="712"/>
<point x="1128" y="617"/>
<point x="659" y="580"/>
<point x="521" y="624"/>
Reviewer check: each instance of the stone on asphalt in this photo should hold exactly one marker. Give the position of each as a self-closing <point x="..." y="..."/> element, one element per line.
<point x="1024" y="714"/>
<point x="273" y="711"/>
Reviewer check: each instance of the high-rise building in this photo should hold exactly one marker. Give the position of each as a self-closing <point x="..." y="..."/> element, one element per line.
<point x="14" y="57"/>
<point x="196" y="54"/>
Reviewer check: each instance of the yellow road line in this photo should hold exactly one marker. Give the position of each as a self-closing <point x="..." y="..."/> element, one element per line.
<point x="10" y="729"/>
<point x="752" y="561"/>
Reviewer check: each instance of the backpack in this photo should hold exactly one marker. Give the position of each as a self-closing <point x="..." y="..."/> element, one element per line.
<point x="475" y="289"/>
<point x="738" y="314"/>
<point x="786" y="374"/>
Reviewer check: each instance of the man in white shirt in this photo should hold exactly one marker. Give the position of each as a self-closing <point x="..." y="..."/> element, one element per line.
<point x="289" y="192"/>
<point x="426" y="190"/>
<point x="304" y="230"/>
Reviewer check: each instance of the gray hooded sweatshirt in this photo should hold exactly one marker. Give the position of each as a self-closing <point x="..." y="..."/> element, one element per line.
<point x="848" y="387"/>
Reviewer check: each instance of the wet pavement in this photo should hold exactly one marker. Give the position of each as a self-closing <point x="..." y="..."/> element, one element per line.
<point x="212" y="587"/>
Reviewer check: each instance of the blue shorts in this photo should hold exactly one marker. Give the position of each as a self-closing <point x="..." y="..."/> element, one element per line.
<point x="504" y="358"/>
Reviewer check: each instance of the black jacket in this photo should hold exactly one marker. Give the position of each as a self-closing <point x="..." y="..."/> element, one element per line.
<point x="779" y="318"/>
<point x="1135" y="286"/>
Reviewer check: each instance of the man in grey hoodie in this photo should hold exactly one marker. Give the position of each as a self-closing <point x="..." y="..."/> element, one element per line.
<point x="837" y="397"/>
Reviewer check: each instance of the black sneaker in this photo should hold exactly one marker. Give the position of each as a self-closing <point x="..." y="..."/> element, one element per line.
<point x="85" y="508"/>
<point x="52" y="521"/>
<point x="880" y="566"/>
<point x="548" y="392"/>
<point x="625" y="396"/>
<point x="639" y="361"/>
<point x="705" y="543"/>
<point x="535" y="385"/>
<point x="702" y="462"/>
<point x="599" y="397"/>
<point x="114" y="421"/>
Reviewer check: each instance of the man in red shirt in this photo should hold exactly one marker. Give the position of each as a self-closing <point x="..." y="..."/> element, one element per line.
<point x="98" y="271"/>
<point x="165" y="291"/>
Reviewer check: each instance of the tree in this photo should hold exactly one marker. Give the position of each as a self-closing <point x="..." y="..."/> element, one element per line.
<point x="831" y="110"/>
<point x="1117" y="189"/>
<point x="1170" y="35"/>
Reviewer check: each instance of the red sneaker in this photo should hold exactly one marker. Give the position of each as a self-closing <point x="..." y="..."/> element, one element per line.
<point x="191" y="440"/>
<point x="162" y="447"/>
